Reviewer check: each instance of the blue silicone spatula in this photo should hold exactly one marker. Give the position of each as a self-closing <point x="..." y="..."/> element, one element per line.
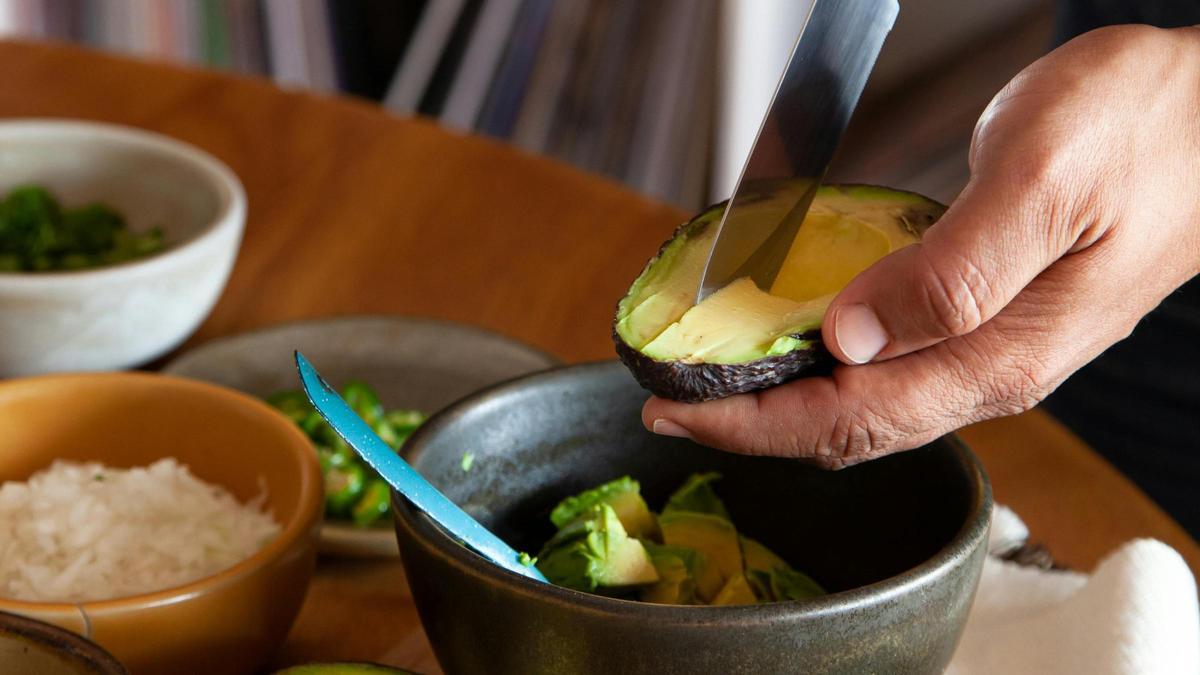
<point x="397" y="472"/>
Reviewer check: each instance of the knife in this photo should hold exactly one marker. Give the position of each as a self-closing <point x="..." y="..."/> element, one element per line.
<point x="405" y="479"/>
<point x="834" y="53"/>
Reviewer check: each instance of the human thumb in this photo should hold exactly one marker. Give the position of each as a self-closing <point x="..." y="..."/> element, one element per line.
<point x="968" y="266"/>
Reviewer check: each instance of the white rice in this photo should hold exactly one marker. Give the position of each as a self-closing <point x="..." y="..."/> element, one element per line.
<point x="85" y="532"/>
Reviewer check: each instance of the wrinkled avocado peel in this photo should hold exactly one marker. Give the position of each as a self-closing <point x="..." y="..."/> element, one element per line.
<point x="741" y="338"/>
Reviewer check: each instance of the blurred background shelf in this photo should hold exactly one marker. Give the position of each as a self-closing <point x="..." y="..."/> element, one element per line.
<point x="664" y="96"/>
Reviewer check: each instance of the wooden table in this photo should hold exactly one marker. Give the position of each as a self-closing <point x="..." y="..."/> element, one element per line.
<point x="353" y="211"/>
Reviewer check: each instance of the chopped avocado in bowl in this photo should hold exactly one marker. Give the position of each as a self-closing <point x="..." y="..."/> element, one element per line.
<point x="744" y="338"/>
<point x="609" y="541"/>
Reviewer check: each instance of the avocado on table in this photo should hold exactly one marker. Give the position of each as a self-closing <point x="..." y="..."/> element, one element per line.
<point x="594" y="551"/>
<point x="695" y="519"/>
<point x="742" y="338"/>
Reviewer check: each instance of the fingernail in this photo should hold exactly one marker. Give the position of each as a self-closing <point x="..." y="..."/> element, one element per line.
<point x="665" y="427"/>
<point x="858" y="333"/>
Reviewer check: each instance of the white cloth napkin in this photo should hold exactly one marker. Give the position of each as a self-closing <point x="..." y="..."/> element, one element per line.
<point x="1137" y="614"/>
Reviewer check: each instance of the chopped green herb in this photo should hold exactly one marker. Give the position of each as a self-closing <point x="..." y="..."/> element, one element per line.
<point x="38" y="235"/>
<point x="468" y="459"/>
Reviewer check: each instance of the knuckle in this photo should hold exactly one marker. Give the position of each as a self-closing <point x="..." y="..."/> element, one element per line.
<point x="954" y="295"/>
<point x="1046" y="178"/>
<point x="1020" y="388"/>
<point x="1014" y="380"/>
<point x="848" y="437"/>
<point x="1123" y="45"/>
<point x="1044" y="173"/>
<point x="997" y="382"/>
<point x="854" y="437"/>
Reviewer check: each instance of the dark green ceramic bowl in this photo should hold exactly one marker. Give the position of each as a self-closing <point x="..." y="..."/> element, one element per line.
<point x="899" y="541"/>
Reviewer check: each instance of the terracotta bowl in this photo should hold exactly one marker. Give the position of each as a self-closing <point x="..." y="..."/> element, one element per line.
<point x="227" y="623"/>
<point x="899" y="542"/>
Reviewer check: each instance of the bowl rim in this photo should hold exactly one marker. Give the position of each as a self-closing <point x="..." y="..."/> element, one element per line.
<point x="61" y="639"/>
<point x="229" y="219"/>
<point x="340" y="537"/>
<point x="178" y="365"/>
<point x="971" y="536"/>
<point x="304" y="521"/>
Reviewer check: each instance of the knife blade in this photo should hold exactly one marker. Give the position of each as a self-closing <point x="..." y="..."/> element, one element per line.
<point x="819" y="89"/>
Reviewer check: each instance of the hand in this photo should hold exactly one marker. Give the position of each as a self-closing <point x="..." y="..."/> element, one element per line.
<point x="1082" y="213"/>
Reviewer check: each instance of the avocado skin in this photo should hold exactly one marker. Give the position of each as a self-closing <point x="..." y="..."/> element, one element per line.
<point x="699" y="382"/>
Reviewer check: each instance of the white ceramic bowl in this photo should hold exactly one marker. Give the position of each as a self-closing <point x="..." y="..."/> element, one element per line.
<point x="122" y="315"/>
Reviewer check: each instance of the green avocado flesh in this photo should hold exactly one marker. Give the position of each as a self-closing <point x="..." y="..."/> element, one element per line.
<point x="595" y="550"/>
<point x="743" y="338"/>
<point x="736" y="324"/>
<point x="692" y="555"/>
<point x="623" y="495"/>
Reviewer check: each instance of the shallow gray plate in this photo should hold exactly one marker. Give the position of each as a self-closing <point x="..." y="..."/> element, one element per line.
<point x="424" y="364"/>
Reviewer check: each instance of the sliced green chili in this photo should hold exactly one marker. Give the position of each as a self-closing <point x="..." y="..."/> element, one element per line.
<point x="374" y="503"/>
<point x="344" y="486"/>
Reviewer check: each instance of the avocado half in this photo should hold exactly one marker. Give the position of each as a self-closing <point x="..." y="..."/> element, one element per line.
<point x="742" y="338"/>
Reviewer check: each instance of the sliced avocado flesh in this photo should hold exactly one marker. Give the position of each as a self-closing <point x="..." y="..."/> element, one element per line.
<point x="704" y="574"/>
<point x="790" y="584"/>
<point x="662" y="334"/>
<point x="661" y="294"/>
<point x="675" y="585"/>
<point x="760" y="582"/>
<point x="697" y="495"/>
<point x="828" y="251"/>
<point x="628" y="566"/>
<point x="774" y="578"/>
<point x="622" y="494"/>
<point x="737" y="591"/>
<point x="738" y="323"/>
<point x="759" y="557"/>
<point x="712" y="536"/>
<point x="595" y="551"/>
